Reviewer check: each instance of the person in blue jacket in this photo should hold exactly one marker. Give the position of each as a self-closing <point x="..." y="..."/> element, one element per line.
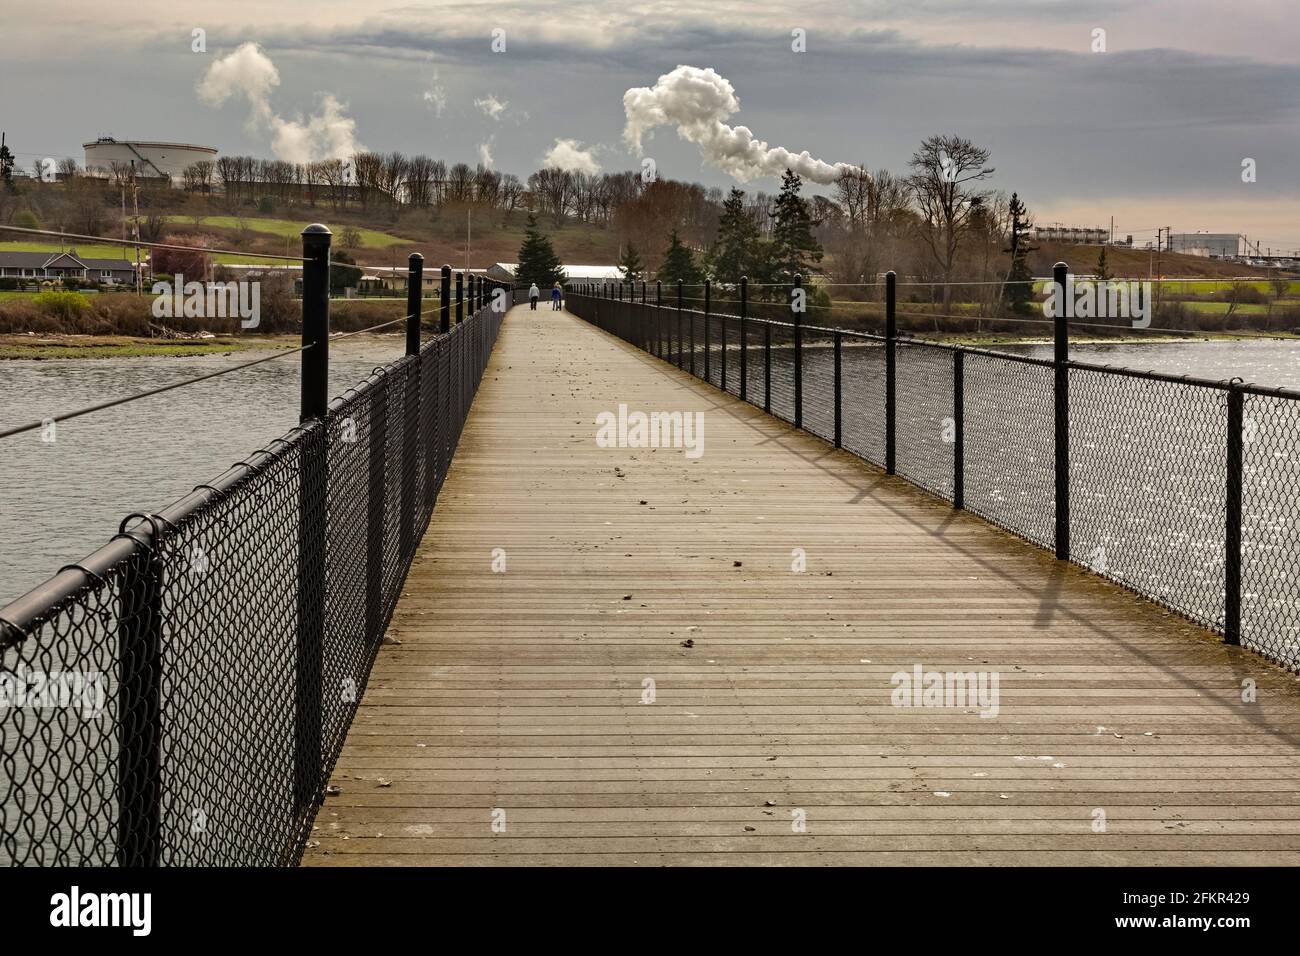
<point x="555" y="298"/>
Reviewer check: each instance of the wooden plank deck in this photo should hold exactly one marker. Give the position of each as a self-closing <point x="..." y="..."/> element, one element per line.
<point x="522" y="691"/>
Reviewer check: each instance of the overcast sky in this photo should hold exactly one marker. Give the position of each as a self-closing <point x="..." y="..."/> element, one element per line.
<point x="1153" y="131"/>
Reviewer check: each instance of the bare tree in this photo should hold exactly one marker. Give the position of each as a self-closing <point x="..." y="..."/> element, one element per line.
<point x="942" y="170"/>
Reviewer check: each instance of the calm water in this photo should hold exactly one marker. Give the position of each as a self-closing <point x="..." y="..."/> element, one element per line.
<point x="60" y="501"/>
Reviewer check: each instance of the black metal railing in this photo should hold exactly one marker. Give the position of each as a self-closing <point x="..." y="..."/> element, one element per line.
<point x="1184" y="489"/>
<point x="202" y="668"/>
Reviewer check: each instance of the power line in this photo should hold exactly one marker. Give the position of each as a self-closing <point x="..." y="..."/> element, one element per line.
<point x="151" y="245"/>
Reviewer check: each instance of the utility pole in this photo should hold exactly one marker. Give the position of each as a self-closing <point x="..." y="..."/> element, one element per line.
<point x="135" y="206"/>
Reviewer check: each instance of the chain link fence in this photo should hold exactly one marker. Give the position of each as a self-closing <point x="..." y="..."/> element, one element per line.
<point x="180" y="696"/>
<point x="1184" y="490"/>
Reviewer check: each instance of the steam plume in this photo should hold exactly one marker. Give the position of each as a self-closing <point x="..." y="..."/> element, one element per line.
<point x="698" y="102"/>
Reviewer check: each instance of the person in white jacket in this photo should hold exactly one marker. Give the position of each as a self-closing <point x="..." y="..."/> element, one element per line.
<point x="533" y="293"/>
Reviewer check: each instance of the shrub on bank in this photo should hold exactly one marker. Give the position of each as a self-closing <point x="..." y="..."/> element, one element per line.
<point x="66" y="306"/>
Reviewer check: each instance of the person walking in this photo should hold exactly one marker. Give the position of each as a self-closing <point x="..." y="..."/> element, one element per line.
<point x="533" y="293"/>
<point x="555" y="298"/>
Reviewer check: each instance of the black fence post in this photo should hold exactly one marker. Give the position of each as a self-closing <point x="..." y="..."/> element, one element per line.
<point x="1232" y="524"/>
<point x="643" y="291"/>
<point x="414" y="296"/>
<point x="139" y="706"/>
<point x="722" y="352"/>
<point x="690" y="324"/>
<point x="312" y="499"/>
<point x="1061" y="358"/>
<point x="659" y="319"/>
<point x="707" y="304"/>
<point x="411" y="404"/>
<point x="958" y="429"/>
<point x="460" y="297"/>
<point x="679" y="323"/>
<point x="838" y="419"/>
<point x="444" y="303"/>
<point x="767" y="367"/>
<point x="744" y="337"/>
<point x="795" y="294"/>
<point x="891" y="335"/>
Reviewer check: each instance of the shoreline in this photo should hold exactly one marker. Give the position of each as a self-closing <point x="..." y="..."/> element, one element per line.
<point x="38" y="347"/>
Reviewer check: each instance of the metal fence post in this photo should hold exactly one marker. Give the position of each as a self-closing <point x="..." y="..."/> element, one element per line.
<point x="798" y="352"/>
<point x="690" y="324"/>
<point x="744" y="337"/>
<point x="656" y="318"/>
<point x="411" y="403"/>
<point x="838" y="417"/>
<point x="312" y="499"/>
<point x="1061" y="358"/>
<point x="460" y="297"/>
<point x="444" y="303"/>
<point x="139" y="704"/>
<point x="679" y="323"/>
<point x="707" y="304"/>
<point x="958" y="429"/>
<point x="891" y="334"/>
<point x="1232" y="523"/>
<point x="414" y="295"/>
<point x="767" y="367"/>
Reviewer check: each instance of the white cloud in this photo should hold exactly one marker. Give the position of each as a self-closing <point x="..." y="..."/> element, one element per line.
<point x="697" y="102"/>
<point x="491" y="106"/>
<point x="329" y="134"/>
<point x="568" y="154"/>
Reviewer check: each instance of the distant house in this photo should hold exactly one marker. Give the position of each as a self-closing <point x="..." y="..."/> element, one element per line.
<point x="47" y="266"/>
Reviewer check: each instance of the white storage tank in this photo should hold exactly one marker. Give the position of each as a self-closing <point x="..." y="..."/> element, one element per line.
<point x="152" y="159"/>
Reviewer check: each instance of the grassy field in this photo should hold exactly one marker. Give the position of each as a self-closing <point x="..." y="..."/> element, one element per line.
<point x="286" y="228"/>
<point x="101" y="251"/>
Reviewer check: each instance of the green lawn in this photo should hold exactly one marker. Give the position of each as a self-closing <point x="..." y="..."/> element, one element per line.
<point x="287" y="228"/>
<point x="91" y="250"/>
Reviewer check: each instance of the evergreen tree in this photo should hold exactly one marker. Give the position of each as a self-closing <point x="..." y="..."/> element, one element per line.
<point x="734" y="251"/>
<point x="1018" y="291"/>
<point x="630" y="264"/>
<point x="794" y="249"/>
<point x="6" y="166"/>
<point x="537" y="259"/>
<point x="678" y="265"/>
<point x="1103" y="267"/>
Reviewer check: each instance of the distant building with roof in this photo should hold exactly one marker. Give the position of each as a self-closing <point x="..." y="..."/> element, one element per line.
<point x="505" y="272"/>
<point x="47" y="266"/>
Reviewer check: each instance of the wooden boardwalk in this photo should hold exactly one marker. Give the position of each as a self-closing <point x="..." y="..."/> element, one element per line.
<point x="522" y="692"/>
